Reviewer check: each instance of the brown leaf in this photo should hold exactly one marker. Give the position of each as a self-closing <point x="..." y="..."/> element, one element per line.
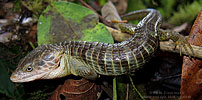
<point x="33" y="35"/>
<point x="109" y="12"/>
<point x="191" y="79"/>
<point x="77" y="90"/>
<point x="121" y="5"/>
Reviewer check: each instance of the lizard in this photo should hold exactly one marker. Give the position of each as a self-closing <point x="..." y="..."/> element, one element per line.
<point x="92" y="59"/>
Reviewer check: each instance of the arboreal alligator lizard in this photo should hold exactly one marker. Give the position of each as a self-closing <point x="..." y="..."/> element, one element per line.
<point x="90" y="59"/>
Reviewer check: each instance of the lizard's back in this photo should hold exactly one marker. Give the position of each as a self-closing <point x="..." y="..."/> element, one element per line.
<point x="87" y="59"/>
<point x="124" y="57"/>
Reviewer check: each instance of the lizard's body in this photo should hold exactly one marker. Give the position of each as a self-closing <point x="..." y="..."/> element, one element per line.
<point x="89" y="59"/>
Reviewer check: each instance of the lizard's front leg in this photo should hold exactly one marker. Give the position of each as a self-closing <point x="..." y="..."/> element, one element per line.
<point x="78" y="68"/>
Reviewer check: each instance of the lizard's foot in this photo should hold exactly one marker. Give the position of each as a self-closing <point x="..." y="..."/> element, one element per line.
<point x="179" y="40"/>
<point x="182" y="42"/>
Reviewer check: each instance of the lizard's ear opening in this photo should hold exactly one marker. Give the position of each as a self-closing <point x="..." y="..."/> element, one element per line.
<point x="48" y="57"/>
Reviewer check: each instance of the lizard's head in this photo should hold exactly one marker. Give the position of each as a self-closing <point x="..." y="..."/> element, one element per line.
<point x="41" y="63"/>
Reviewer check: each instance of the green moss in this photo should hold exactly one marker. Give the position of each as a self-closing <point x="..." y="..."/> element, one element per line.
<point x="186" y="13"/>
<point x="36" y="6"/>
<point x="166" y="8"/>
<point x="135" y="5"/>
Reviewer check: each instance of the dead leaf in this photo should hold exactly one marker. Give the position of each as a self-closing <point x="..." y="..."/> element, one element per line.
<point x="33" y="35"/>
<point x="109" y="12"/>
<point x="191" y="79"/>
<point x="121" y="5"/>
<point x="181" y="27"/>
<point x="77" y="90"/>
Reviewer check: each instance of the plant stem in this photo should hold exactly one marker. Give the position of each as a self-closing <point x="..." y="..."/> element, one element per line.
<point x="114" y="89"/>
<point x="136" y="88"/>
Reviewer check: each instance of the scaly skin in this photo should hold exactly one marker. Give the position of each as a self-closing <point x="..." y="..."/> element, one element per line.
<point x="90" y="59"/>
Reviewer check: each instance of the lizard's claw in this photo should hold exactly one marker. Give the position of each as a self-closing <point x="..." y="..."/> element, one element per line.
<point x="179" y="40"/>
<point x="182" y="42"/>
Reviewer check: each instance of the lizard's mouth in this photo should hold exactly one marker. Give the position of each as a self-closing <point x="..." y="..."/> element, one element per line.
<point x="17" y="78"/>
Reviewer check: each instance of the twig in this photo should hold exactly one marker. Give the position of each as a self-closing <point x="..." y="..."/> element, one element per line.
<point x="100" y="17"/>
<point x="118" y="35"/>
<point x="127" y="91"/>
<point x="134" y="87"/>
<point x="170" y="46"/>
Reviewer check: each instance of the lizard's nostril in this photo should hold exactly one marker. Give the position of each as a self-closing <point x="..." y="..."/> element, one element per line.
<point x="13" y="77"/>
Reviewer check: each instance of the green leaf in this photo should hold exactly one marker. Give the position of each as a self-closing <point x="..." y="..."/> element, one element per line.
<point x="65" y="21"/>
<point x="98" y="34"/>
<point x="7" y="87"/>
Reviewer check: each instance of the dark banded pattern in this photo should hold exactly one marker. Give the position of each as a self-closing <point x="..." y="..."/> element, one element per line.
<point x="120" y="58"/>
<point x="87" y="59"/>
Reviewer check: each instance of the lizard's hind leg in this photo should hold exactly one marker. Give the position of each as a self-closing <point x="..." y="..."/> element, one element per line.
<point x="179" y="40"/>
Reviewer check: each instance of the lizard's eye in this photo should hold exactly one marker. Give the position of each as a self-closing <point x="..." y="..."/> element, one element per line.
<point x="29" y="69"/>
